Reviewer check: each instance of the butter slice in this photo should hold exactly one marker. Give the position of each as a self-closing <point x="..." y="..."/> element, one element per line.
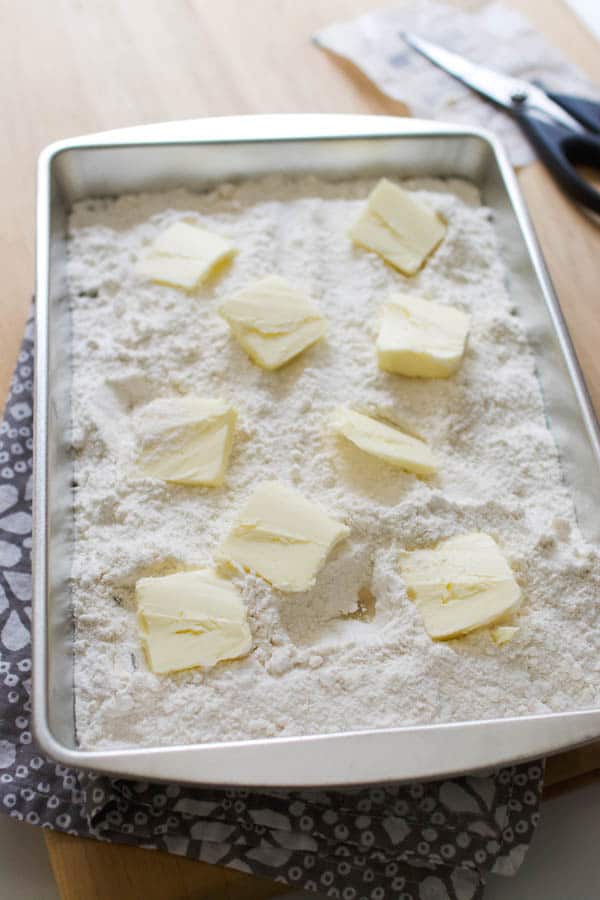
<point x="385" y="441"/>
<point x="398" y="227"/>
<point x="502" y="634"/>
<point x="183" y="255"/>
<point x="186" y="440"/>
<point x="420" y="338"/>
<point x="462" y="584"/>
<point x="272" y="321"/>
<point x="282" y="537"/>
<point x="190" y="619"/>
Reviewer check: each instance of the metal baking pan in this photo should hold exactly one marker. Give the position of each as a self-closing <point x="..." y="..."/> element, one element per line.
<point x="197" y="154"/>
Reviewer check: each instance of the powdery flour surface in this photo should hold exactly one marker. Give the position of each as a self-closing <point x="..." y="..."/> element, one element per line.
<point x="314" y="666"/>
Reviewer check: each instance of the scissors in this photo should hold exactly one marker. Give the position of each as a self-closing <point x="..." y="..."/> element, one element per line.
<point x="565" y="130"/>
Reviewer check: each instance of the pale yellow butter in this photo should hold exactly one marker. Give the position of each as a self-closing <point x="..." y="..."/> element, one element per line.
<point x="461" y="584"/>
<point x="282" y="537"/>
<point x="183" y="255"/>
<point x="384" y="440"/>
<point x="273" y="321"/>
<point x="185" y="439"/>
<point x="372" y="233"/>
<point x="398" y="227"/>
<point x="502" y="634"/>
<point x="420" y="338"/>
<point x="190" y="619"/>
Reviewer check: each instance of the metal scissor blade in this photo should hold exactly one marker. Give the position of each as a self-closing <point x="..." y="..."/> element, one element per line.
<point x="496" y="87"/>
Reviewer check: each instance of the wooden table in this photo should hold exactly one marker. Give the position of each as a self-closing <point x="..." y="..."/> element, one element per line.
<point x="77" y="66"/>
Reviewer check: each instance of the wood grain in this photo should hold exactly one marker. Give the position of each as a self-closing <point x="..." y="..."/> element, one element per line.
<point x="76" y="66"/>
<point x="89" y="870"/>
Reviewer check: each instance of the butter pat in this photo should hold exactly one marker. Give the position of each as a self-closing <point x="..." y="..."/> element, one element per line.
<point x="185" y="439"/>
<point x="282" y="537"/>
<point x="385" y="441"/>
<point x="190" y="619"/>
<point x="183" y="255"/>
<point x="462" y="584"/>
<point x="502" y="634"/>
<point x="272" y="321"/>
<point x="420" y="338"/>
<point x="398" y="227"/>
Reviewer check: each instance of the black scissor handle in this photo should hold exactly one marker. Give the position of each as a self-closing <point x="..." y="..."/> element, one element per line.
<point x="585" y="111"/>
<point x="561" y="150"/>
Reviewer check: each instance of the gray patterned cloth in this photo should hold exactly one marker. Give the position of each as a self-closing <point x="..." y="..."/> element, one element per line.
<point x="433" y="841"/>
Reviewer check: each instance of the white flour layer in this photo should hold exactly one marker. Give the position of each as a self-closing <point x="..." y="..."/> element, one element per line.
<point x="313" y="669"/>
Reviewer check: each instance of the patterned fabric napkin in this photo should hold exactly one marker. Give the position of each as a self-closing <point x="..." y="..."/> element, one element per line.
<point x="434" y="841"/>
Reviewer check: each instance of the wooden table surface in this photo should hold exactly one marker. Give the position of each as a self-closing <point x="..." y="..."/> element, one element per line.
<point x="77" y="66"/>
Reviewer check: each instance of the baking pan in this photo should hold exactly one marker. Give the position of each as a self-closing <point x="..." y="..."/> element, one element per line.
<point x="198" y="154"/>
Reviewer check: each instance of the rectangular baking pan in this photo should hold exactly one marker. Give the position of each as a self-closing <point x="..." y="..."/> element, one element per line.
<point x="198" y="154"/>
